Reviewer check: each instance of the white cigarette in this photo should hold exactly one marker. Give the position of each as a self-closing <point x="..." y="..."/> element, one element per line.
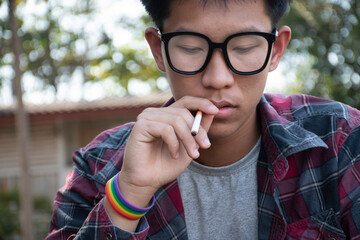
<point x="196" y="124"/>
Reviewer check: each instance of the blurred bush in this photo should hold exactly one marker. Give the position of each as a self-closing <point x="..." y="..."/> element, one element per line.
<point x="10" y="215"/>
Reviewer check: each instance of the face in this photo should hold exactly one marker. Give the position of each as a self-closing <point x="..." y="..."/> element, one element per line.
<point x="235" y="95"/>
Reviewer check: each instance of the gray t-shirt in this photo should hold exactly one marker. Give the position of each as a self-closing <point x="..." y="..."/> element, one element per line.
<point x="221" y="202"/>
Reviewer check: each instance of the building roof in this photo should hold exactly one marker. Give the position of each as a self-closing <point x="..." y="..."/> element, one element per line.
<point x="83" y="109"/>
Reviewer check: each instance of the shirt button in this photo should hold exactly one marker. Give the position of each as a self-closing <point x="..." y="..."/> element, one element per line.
<point x="108" y="236"/>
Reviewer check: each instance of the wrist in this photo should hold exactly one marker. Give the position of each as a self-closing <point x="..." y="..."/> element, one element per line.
<point x="134" y="194"/>
<point x="129" y="210"/>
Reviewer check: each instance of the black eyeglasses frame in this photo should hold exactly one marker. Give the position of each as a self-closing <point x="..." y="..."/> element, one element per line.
<point x="270" y="37"/>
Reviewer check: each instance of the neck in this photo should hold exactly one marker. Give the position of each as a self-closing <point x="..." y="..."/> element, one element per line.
<point x="231" y="149"/>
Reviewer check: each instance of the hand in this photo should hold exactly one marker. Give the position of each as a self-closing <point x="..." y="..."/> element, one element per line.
<point x="161" y="146"/>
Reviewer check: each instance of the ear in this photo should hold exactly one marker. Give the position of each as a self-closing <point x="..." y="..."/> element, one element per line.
<point x="280" y="45"/>
<point x="153" y="39"/>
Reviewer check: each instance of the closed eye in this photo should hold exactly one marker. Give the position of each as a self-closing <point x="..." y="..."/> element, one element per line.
<point x="190" y="50"/>
<point x="243" y="50"/>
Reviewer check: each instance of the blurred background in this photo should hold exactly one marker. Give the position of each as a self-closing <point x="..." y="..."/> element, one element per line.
<point x="71" y="69"/>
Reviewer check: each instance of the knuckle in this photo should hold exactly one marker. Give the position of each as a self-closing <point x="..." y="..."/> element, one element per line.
<point x="145" y="113"/>
<point x="181" y="115"/>
<point x="140" y="124"/>
<point x="178" y="119"/>
<point x="186" y="137"/>
<point x="139" y="117"/>
<point x="140" y="121"/>
<point x="186" y="98"/>
<point x="174" y="145"/>
<point x="168" y="130"/>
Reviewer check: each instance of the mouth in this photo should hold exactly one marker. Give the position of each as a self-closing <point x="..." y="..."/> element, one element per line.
<point x="225" y="109"/>
<point x="222" y="104"/>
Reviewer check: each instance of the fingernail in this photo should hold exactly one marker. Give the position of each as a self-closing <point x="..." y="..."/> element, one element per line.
<point x="196" y="153"/>
<point x="207" y="142"/>
<point x="177" y="155"/>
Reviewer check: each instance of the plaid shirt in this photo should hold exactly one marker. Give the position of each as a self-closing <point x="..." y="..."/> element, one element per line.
<point x="308" y="179"/>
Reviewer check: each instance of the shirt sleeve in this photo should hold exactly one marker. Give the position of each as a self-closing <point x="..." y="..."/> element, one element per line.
<point x="78" y="210"/>
<point x="79" y="215"/>
<point x="99" y="226"/>
<point x="349" y="184"/>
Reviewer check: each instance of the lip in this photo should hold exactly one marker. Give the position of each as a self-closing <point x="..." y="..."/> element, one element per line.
<point x="225" y="109"/>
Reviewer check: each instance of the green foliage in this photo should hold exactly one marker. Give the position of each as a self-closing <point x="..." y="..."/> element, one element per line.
<point x="9" y="215"/>
<point x="327" y="34"/>
<point x="9" y="220"/>
<point x="42" y="210"/>
<point x="54" y="51"/>
<point x="42" y="204"/>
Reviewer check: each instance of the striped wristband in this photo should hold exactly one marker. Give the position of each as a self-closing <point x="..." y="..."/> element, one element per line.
<point x="119" y="203"/>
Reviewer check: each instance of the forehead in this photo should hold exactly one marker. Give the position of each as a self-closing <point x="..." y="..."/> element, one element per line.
<point x="217" y="16"/>
<point x="216" y="2"/>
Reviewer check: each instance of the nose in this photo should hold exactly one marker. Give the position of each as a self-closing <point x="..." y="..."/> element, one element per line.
<point x="217" y="73"/>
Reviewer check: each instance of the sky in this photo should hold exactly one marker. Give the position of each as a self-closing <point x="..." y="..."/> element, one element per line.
<point x="107" y="12"/>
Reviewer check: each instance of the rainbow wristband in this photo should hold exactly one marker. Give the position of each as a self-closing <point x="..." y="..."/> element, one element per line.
<point x="119" y="203"/>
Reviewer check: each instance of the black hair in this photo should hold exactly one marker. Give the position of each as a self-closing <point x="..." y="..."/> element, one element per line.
<point x="159" y="10"/>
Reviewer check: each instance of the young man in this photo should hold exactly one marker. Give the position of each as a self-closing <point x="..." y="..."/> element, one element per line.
<point x="260" y="167"/>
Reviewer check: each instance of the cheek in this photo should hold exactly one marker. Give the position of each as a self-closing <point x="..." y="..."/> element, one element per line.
<point x="175" y="81"/>
<point x="261" y="82"/>
<point x="176" y="90"/>
<point x="182" y="85"/>
<point x="253" y="86"/>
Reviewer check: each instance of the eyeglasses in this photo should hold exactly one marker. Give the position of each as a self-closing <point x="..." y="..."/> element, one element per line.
<point x="245" y="53"/>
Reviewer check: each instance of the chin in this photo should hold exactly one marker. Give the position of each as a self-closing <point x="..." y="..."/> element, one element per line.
<point x="220" y="131"/>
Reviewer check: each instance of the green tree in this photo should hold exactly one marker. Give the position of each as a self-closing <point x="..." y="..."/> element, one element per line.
<point x="325" y="48"/>
<point x="131" y="61"/>
<point x="54" y="51"/>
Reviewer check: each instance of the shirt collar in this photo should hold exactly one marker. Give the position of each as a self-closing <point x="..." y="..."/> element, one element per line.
<point x="282" y="134"/>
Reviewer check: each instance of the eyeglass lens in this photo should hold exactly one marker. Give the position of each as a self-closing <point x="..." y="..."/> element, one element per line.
<point x="246" y="53"/>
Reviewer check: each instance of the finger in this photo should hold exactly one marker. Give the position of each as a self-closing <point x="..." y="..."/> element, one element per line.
<point x="201" y="140"/>
<point x="207" y="121"/>
<point x="202" y="137"/>
<point x="180" y="119"/>
<point x="166" y="114"/>
<point x="182" y="107"/>
<point x="196" y="103"/>
<point x="176" y="127"/>
<point x="151" y="131"/>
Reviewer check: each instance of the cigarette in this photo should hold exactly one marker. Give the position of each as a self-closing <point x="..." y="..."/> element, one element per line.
<point x="196" y="124"/>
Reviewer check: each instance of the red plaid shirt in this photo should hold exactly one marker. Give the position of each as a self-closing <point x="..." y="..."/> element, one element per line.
<point x="308" y="179"/>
